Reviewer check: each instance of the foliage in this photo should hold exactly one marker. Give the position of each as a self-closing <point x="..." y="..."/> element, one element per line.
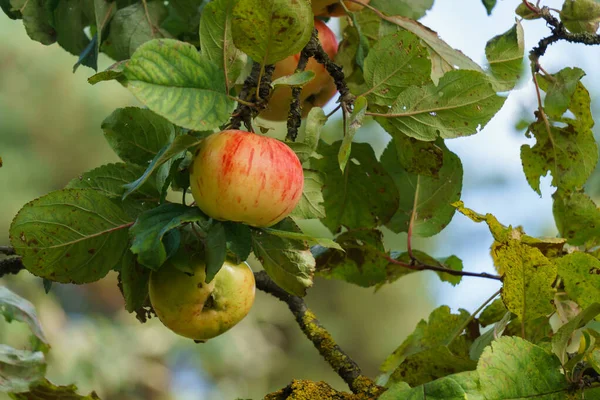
<point x="187" y="62"/>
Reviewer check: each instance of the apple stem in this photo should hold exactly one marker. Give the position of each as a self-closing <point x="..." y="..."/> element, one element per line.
<point x="337" y="358"/>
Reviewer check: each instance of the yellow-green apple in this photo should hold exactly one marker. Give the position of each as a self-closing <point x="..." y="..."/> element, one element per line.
<point x="333" y="8"/>
<point x="315" y="93"/>
<point x="192" y="308"/>
<point x="246" y="177"/>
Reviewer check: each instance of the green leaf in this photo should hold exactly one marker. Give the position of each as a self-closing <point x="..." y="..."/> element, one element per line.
<point x="577" y="217"/>
<point x="71" y="235"/>
<point x="288" y="262"/>
<point x="311" y="202"/>
<point x="271" y="30"/>
<point x="216" y="41"/>
<point x="315" y="121"/>
<point x="37" y="18"/>
<point x="492" y="313"/>
<point x="8" y="9"/>
<point x="440" y="330"/>
<point x="525" y="12"/>
<point x="363" y="197"/>
<point x="324" y="242"/>
<point x="581" y="16"/>
<point x="581" y="276"/>
<point x="418" y="157"/>
<point x="431" y="364"/>
<point x="443" y="57"/>
<point x="361" y="261"/>
<point x="14" y="307"/>
<point x="461" y="104"/>
<point x="110" y="180"/>
<point x="171" y="150"/>
<point x="172" y="79"/>
<point x="137" y="134"/>
<point x="114" y="72"/>
<point x="395" y="63"/>
<point x="505" y="55"/>
<point x="134" y="279"/>
<point x="512" y="368"/>
<point x="297" y="79"/>
<point x="20" y="369"/>
<point x="239" y="240"/>
<point x="560" y="88"/>
<point x="151" y="227"/>
<point x="488" y="337"/>
<point x="489" y="5"/>
<point x="528" y="277"/>
<point x="569" y="152"/>
<point x="413" y="9"/>
<point x="104" y="10"/>
<point x="428" y="198"/>
<point x="46" y="390"/>
<point x="216" y="250"/>
<point x="354" y="123"/>
<point x="70" y="19"/>
<point x="562" y="338"/>
<point x="130" y="28"/>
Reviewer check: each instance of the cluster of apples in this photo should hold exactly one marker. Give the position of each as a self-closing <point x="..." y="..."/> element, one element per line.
<point x="248" y="178"/>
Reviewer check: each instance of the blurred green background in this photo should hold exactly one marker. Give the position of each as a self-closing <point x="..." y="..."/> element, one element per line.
<point x="49" y="134"/>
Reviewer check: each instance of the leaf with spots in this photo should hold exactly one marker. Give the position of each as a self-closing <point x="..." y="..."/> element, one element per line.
<point x="361" y="262"/>
<point x="427" y="200"/>
<point x="505" y="55"/>
<point x="560" y="88"/>
<point x="581" y="275"/>
<point x="577" y="217"/>
<point x="442" y="329"/>
<point x="364" y="196"/>
<point x="443" y="57"/>
<point x="580" y="16"/>
<point x="395" y="63"/>
<point x="70" y="235"/>
<point x="461" y="104"/>
<point x="175" y="81"/>
<point x="565" y="147"/>
<point x="134" y="279"/>
<point x="528" y="277"/>
<point x="355" y="121"/>
<point x="512" y="368"/>
<point x="271" y="30"/>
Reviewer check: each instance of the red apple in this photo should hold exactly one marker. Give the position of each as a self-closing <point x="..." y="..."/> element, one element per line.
<point x="315" y="93"/>
<point x="246" y="177"/>
<point x="198" y="310"/>
<point x="333" y="8"/>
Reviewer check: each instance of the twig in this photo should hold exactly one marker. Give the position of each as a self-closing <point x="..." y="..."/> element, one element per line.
<point x="294" y="119"/>
<point x="250" y="106"/>
<point x="345" y="367"/>
<point x="419" y="266"/>
<point x="7" y="250"/>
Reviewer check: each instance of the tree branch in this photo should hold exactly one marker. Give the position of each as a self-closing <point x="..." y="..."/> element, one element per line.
<point x="244" y="113"/>
<point x="419" y="266"/>
<point x="559" y="32"/>
<point x="345" y="367"/>
<point x="295" y="114"/>
<point x="12" y="264"/>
